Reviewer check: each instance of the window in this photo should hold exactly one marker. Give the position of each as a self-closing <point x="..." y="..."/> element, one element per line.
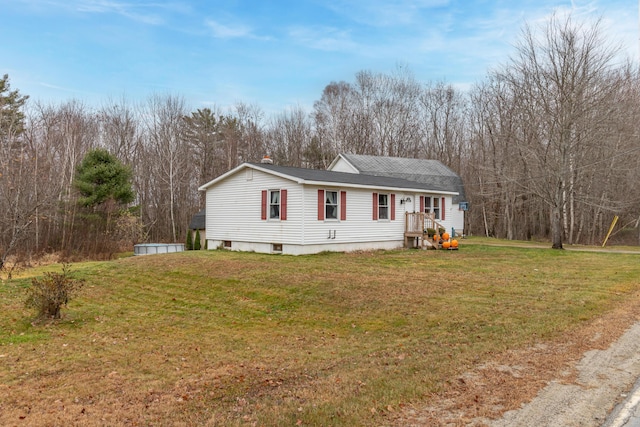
<point x="427" y="204"/>
<point x="383" y="206"/>
<point x="331" y="205"/>
<point x="274" y="204"/>
<point x="436" y="208"/>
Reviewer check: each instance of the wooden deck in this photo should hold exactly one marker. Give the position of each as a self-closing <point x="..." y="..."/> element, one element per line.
<point x="416" y="225"/>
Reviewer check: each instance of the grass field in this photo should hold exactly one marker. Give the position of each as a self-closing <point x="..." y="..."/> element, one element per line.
<point x="222" y="338"/>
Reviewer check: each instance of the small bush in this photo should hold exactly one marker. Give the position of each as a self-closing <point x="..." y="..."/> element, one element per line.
<point x="48" y="294"/>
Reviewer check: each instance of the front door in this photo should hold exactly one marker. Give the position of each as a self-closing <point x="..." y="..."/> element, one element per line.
<point x="408" y="202"/>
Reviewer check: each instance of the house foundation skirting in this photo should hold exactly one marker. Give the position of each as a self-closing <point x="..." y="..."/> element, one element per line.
<point x="296" y="249"/>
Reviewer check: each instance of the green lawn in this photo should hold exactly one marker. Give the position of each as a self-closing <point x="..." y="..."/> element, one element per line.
<point x="222" y="338"/>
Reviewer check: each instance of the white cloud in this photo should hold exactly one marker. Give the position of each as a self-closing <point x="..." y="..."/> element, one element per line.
<point x="382" y="13"/>
<point x="127" y="10"/>
<point x="323" y="38"/>
<point x="223" y="31"/>
<point x="75" y="92"/>
<point x="147" y="13"/>
<point x="622" y="27"/>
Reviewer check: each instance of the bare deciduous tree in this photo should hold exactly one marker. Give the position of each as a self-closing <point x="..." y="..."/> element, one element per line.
<point x="289" y="136"/>
<point x="168" y="164"/>
<point x="558" y="79"/>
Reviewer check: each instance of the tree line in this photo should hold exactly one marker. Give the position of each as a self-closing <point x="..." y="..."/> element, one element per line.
<point x="547" y="146"/>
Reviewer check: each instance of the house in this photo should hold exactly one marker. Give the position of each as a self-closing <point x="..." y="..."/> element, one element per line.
<point x="268" y="208"/>
<point x="430" y="172"/>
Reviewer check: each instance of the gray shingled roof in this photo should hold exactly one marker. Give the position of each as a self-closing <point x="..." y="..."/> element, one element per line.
<point x="432" y="173"/>
<point x="326" y="176"/>
<point x="198" y="221"/>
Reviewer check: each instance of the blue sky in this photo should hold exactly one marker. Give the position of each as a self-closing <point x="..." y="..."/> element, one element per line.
<point x="274" y="54"/>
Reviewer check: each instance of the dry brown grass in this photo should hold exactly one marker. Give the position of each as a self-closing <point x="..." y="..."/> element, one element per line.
<point x="377" y="338"/>
<point x="514" y="377"/>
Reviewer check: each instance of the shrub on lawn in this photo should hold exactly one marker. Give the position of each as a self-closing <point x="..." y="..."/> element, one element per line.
<point x="48" y="294"/>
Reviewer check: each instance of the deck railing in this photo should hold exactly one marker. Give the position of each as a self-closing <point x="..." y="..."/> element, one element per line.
<point x="416" y="225"/>
<point x="419" y="222"/>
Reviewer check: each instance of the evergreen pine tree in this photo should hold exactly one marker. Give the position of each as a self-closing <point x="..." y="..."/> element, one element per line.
<point x="190" y="240"/>
<point x="101" y="177"/>
<point x="196" y="243"/>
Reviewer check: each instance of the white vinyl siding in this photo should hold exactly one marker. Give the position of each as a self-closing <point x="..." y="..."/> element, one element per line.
<point x="234" y="210"/>
<point x="342" y="166"/>
<point x="359" y="226"/>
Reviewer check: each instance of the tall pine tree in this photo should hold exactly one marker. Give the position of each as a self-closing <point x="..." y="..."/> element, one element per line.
<point x="104" y="184"/>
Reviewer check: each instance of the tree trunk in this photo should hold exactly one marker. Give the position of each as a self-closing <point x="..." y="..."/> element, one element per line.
<point x="556" y="228"/>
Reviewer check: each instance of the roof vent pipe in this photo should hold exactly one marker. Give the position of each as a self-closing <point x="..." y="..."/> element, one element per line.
<point x="266" y="160"/>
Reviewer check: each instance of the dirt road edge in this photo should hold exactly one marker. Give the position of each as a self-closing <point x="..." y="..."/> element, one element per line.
<point x="604" y="376"/>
